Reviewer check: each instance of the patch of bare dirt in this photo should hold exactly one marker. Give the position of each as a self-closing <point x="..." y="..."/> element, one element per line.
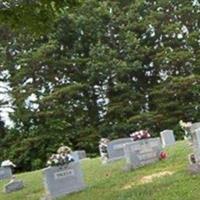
<point x="147" y="179"/>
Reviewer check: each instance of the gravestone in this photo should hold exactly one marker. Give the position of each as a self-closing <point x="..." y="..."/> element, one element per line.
<point x="167" y="138"/>
<point x="116" y="148"/>
<point x="13" y="186"/>
<point x="196" y="144"/>
<point x="81" y="154"/>
<point x="5" y="173"/>
<point x="75" y="156"/>
<point x="195" y="126"/>
<point x="63" y="180"/>
<point x="142" y="152"/>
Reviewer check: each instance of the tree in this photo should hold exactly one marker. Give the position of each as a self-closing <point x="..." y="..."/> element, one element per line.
<point x="99" y="68"/>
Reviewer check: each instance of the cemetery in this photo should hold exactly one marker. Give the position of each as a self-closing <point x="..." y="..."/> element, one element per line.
<point x="111" y="182"/>
<point x="99" y="100"/>
<point x="137" y="162"/>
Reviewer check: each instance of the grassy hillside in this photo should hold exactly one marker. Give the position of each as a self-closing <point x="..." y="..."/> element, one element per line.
<point x="164" y="180"/>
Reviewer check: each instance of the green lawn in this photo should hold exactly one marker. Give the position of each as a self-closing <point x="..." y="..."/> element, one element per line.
<point x="111" y="183"/>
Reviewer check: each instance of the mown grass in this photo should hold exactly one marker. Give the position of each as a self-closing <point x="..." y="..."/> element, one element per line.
<point x="110" y="182"/>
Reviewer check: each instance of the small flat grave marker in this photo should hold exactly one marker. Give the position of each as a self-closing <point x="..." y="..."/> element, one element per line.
<point x="14" y="186"/>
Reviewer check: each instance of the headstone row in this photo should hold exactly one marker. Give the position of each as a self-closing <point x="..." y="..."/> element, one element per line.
<point x="115" y="149"/>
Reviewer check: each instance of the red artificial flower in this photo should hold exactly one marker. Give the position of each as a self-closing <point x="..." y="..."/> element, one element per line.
<point x="163" y="155"/>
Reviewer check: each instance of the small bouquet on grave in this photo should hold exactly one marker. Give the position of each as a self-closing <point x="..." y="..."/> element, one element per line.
<point x="185" y="125"/>
<point x="62" y="157"/>
<point x="140" y="135"/>
<point x="103" y="144"/>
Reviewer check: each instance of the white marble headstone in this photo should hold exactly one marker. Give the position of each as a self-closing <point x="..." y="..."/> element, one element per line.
<point x="167" y="138"/>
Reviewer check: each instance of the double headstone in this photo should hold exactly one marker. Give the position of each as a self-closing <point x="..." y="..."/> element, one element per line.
<point x="62" y="180"/>
<point x="142" y="152"/>
<point x="116" y="148"/>
<point x="5" y="173"/>
<point x="167" y="138"/>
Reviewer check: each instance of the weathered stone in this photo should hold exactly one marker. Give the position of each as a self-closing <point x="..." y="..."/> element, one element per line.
<point x="167" y="138"/>
<point x="13" y="186"/>
<point x="5" y="173"/>
<point x="142" y="152"/>
<point x="60" y="181"/>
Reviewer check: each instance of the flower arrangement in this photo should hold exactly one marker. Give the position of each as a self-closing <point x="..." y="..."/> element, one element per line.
<point x="139" y="135"/>
<point x="103" y="143"/>
<point x="61" y="158"/>
<point x="185" y="125"/>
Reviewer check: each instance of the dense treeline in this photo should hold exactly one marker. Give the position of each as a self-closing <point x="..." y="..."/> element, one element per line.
<point x="97" y="69"/>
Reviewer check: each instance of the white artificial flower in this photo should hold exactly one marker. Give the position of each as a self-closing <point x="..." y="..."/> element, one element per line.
<point x="7" y="163"/>
<point x="49" y="162"/>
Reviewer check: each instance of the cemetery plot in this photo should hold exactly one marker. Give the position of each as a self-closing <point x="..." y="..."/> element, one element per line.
<point x="142" y="152"/>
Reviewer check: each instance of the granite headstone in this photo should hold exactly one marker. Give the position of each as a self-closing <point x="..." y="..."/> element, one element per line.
<point x="196" y="144"/>
<point x="116" y="148"/>
<point x="5" y="173"/>
<point x="62" y="180"/>
<point x="142" y="152"/>
<point x="167" y="138"/>
<point x="14" y="186"/>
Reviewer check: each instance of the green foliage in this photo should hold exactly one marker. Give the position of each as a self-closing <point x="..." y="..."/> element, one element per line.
<point x="97" y="68"/>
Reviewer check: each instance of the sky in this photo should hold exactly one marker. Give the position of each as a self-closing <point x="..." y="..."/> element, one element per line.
<point x="5" y="109"/>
